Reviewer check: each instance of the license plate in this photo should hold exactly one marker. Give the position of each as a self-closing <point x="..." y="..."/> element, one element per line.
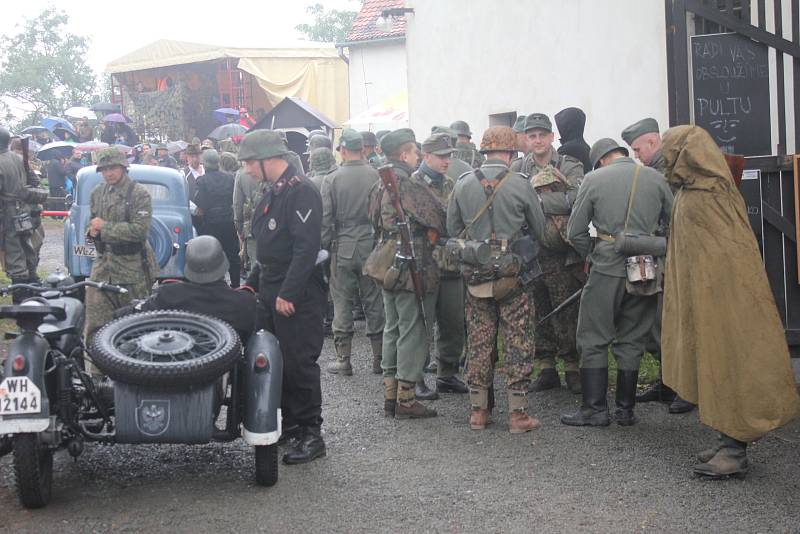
<point x="83" y="250"/>
<point x="19" y="395"/>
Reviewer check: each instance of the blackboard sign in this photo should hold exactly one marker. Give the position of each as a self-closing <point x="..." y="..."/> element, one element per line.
<point x="731" y="92"/>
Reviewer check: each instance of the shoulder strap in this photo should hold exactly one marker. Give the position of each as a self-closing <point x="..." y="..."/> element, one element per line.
<point x="633" y="194"/>
<point x="490" y="196"/>
<point x="128" y="198"/>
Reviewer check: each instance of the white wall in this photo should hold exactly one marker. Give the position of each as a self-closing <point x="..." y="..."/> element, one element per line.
<point x="376" y="72"/>
<point x="606" y="57"/>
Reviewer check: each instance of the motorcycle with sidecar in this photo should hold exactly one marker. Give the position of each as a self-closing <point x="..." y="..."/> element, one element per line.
<point x="170" y="374"/>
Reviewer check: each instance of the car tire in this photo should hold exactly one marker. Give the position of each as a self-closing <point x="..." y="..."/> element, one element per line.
<point x="170" y="349"/>
<point x="267" y="464"/>
<point x="33" y="470"/>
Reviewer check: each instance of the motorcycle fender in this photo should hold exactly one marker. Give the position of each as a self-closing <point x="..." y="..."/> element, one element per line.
<point x="33" y="348"/>
<point x="262" y="390"/>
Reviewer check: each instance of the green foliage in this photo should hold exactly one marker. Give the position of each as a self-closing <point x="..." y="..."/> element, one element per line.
<point x="45" y="68"/>
<point x="328" y="26"/>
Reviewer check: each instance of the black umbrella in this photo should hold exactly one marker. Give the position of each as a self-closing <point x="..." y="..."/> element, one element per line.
<point x="227" y="130"/>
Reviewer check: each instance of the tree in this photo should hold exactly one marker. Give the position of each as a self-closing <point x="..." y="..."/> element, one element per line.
<point x="329" y="26"/>
<point x="45" y="67"/>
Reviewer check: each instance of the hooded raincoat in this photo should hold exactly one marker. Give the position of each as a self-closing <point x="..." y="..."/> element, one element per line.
<point x="723" y="343"/>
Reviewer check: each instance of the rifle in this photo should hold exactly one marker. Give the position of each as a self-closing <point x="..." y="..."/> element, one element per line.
<point x="405" y="252"/>
<point x="567" y="302"/>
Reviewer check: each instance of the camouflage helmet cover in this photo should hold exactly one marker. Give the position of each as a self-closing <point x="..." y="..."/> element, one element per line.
<point x="499" y="139"/>
<point x="322" y="159"/>
<point x="108" y="157"/>
<point x="262" y="144"/>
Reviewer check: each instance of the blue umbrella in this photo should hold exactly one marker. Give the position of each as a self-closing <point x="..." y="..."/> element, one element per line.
<point x="56" y="150"/>
<point x="51" y="123"/>
<point x="227" y="130"/>
<point x="222" y="114"/>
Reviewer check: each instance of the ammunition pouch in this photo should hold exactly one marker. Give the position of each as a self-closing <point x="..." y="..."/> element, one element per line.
<point x="629" y="244"/>
<point x="22" y="223"/>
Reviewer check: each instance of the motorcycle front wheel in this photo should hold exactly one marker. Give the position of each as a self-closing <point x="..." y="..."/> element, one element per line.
<point x="33" y="468"/>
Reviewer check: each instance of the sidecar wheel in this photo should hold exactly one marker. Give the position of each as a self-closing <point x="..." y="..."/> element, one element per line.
<point x="267" y="464"/>
<point x="166" y="349"/>
<point x="33" y="467"/>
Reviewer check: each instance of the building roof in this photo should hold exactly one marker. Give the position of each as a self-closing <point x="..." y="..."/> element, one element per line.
<point x="364" y="28"/>
<point x="165" y="53"/>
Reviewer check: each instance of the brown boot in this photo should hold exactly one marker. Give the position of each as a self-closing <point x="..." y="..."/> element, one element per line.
<point x="480" y="414"/>
<point x="730" y="461"/>
<point x="341" y="366"/>
<point x="389" y="396"/>
<point x="519" y="421"/>
<point x="707" y="454"/>
<point x="377" y="353"/>
<point x="573" y="380"/>
<point x="407" y="405"/>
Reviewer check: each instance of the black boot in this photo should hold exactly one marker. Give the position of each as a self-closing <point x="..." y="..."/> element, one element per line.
<point x="680" y="405"/>
<point x="309" y="447"/>
<point x="450" y="384"/>
<point x="594" y="411"/>
<point x="423" y="392"/>
<point x="657" y="392"/>
<point x="548" y="379"/>
<point x="626" y="397"/>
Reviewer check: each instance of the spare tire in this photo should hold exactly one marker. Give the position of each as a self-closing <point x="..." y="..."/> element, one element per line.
<point x="160" y="241"/>
<point x="167" y="348"/>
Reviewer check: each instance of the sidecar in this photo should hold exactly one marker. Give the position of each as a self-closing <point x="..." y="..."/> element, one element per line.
<point x="173" y="372"/>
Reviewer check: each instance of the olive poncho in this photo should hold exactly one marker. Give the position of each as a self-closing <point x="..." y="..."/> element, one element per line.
<point x="723" y="343"/>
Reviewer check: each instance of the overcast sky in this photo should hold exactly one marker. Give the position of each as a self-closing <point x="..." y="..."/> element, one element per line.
<point x="117" y="28"/>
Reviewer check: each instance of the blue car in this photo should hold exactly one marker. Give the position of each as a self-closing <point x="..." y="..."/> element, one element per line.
<point x="170" y="229"/>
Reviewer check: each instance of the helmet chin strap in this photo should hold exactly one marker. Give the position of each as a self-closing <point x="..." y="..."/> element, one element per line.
<point x="263" y="171"/>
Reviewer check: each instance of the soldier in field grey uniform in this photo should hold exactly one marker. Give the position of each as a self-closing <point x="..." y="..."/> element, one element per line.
<point x="457" y="167"/>
<point x="446" y="305"/>
<point x="322" y="162"/>
<point x="121" y="211"/>
<point x="645" y="140"/>
<point x="465" y="148"/>
<point x="347" y="233"/>
<point x="619" y="196"/>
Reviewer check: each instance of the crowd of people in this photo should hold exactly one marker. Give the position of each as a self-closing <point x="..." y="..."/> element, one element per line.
<point x="468" y="259"/>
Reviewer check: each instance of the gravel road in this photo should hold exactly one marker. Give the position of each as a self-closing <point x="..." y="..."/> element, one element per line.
<point x="432" y="475"/>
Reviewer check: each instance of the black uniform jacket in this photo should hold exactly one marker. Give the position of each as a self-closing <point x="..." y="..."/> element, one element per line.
<point x="287" y="226"/>
<point x="217" y="299"/>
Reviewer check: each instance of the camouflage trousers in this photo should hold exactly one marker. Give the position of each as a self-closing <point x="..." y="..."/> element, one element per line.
<point x="100" y="306"/>
<point x="556" y="336"/>
<point x="509" y="322"/>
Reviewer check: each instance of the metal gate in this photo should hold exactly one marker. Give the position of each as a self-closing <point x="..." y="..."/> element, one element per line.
<point x="770" y="187"/>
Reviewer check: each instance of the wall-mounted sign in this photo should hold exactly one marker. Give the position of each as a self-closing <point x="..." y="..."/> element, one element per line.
<point x="730" y="86"/>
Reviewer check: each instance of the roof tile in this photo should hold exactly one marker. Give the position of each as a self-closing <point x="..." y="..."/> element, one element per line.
<point x="364" y="28"/>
